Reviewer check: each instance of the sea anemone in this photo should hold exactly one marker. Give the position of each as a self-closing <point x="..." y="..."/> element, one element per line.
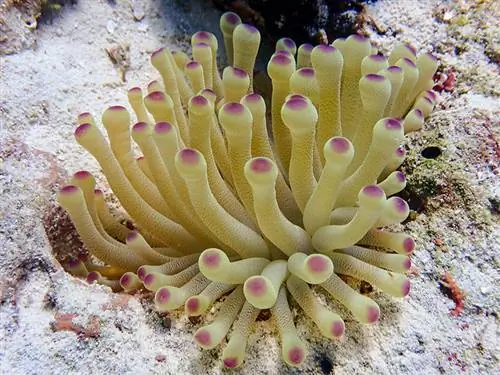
<point x="222" y="209"/>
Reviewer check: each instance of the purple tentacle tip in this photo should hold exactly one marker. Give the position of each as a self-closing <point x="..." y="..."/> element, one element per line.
<point x="261" y="165"/>
<point x="139" y="127"/>
<point x="400" y="176"/>
<point x="306" y="72"/>
<point x="281" y="59"/>
<point x="189" y="156"/>
<point x="326" y="48"/>
<point x="156" y="95"/>
<point x="82" y="175"/>
<point x="233" y="108"/>
<point x="69" y="189"/>
<point x="199" y="100"/>
<point x="375" y="77"/>
<point x="203" y="337"/>
<point x="317" y="264"/>
<point x="250" y="28"/>
<point x="296" y="104"/>
<point x="163" y="127"/>
<point x="231" y="18"/>
<point x="162" y="295"/>
<point x="406" y="288"/>
<point x="296" y="355"/>
<point x="373" y="191"/>
<point x="338" y="329"/>
<point x="82" y="129"/>
<point x="373" y="314"/>
<point x="409" y="245"/>
<point x="256" y="286"/>
<point x="340" y="145"/>
<point x="393" y="124"/>
<point x="231" y="362"/>
<point x="125" y="280"/>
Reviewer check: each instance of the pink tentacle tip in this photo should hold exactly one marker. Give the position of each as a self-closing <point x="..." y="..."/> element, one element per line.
<point x="296" y="104"/>
<point x="338" y="328"/>
<point x="409" y="62"/>
<point x="406" y="288"/>
<point x="407" y="263"/>
<point x="158" y="52"/>
<point x="394" y="69"/>
<point x="317" y="264"/>
<point x="203" y="337"/>
<point x="393" y="124"/>
<point x="211" y="260"/>
<point x="377" y="57"/>
<point x="84" y="115"/>
<point x="409" y="245"/>
<point x="306" y="72"/>
<point x="375" y="77"/>
<point x="412" y="49"/>
<point x="231" y="18"/>
<point x="192" y="304"/>
<point x="231" y="362"/>
<point x="163" y="127"/>
<point x="326" y="48"/>
<point x="373" y="191"/>
<point x="82" y="175"/>
<point x="69" y="189"/>
<point x="202" y="35"/>
<point x="192" y="65"/>
<point x="132" y="235"/>
<point x="340" y="145"/>
<point x="253" y="98"/>
<point x="92" y="277"/>
<point x="250" y="28"/>
<point x="373" y="314"/>
<point x="281" y="59"/>
<point x="147" y="279"/>
<point x="141" y="273"/>
<point x="201" y="45"/>
<point x="98" y="192"/>
<point x="256" y="286"/>
<point x="162" y="295"/>
<point x="400" y="152"/>
<point x="117" y="108"/>
<point x="419" y="113"/>
<point x="207" y="92"/>
<point x="296" y="355"/>
<point x="240" y="73"/>
<point x="125" y="280"/>
<point x="189" y="156"/>
<point x="289" y="43"/>
<point x="156" y="95"/>
<point x="139" y="127"/>
<point x="307" y="47"/>
<point x="233" y="108"/>
<point x="199" y="100"/>
<point x="82" y="130"/>
<point x="260" y="165"/>
<point x="400" y="204"/>
<point x="135" y="90"/>
<point x="358" y="38"/>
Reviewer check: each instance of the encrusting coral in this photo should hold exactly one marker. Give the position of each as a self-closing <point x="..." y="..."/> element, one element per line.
<point x="222" y="208"/>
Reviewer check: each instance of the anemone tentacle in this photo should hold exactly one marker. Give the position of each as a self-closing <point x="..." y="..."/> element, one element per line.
<point x="220" y="207"/>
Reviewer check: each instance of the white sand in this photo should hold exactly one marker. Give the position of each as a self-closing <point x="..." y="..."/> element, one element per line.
<point x="68" y="71"/>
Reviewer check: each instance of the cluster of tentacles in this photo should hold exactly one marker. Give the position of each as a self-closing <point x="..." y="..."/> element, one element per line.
<point x="222" y="208"/>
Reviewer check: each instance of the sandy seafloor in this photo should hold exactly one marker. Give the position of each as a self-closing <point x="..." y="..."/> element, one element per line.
<point x="67" y="71"/>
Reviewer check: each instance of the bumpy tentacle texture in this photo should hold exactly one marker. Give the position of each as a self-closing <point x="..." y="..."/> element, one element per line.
<point x="218" y="207"/>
